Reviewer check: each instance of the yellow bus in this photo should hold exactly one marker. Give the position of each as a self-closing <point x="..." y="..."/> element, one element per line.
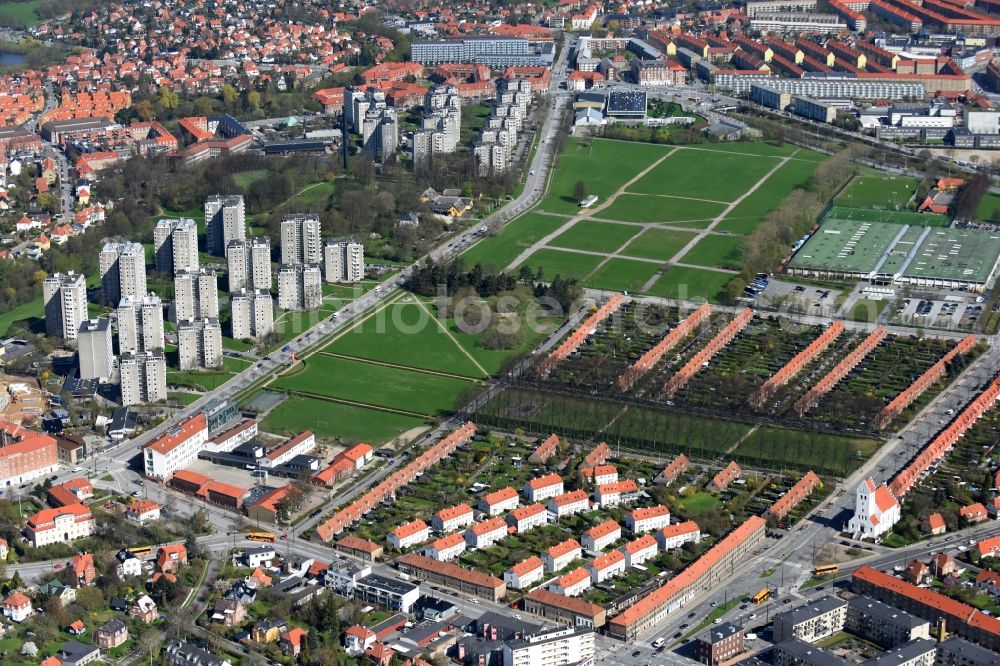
<point x="261" y="536"/>
<point x="141" y="551"/>
<point x="762" y="596"/>
<point x="826" y="570"/>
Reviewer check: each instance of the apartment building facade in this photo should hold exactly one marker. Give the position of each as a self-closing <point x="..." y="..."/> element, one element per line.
<point x="251" y="314"/>
<point x="143" y="377"/>
<point x="225" y="222"/>
<point x="140" y="324"/>
<point x="65" y="302"/>
<point x="175" y="245"/>
<point x="175" y="448"/>
<point x="196" y="294"/>
<point x="300" y="240"/>
<point x="94" y="349"/>
<point x="344" y="260"/>
<point x="249" y="263"/>
<point x="25" y="455"/>
<point x="300" y="287"/>
<point x="123" y="271"/>
<point x="199" y="344"/>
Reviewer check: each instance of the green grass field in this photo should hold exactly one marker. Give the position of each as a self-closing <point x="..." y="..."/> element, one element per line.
<point x="247" y="179"/>
<point x="646" y="208"/>
<point x="657" y="243"/>
<point x="691" y="284"/>
<point x="989" y="208"/>
<point x="595" y="236"/>
<point x="705" y="174"/>
<point x="565" y="264"/>
<point x="879" y="192"/>
<point x="761" y="148"/>
<point x="362" y="382"/>
<point x="589" y="161"/>
<point x="722" y="251"/>
<point x="22" y="11"/>
<point x="622" y="274"/>
<point x="497" y="252"/>
<point x="745" y="217"/>
<point x="329" y="419"/>
<point x="33" y="309"/>
<point x="405" y="334"/>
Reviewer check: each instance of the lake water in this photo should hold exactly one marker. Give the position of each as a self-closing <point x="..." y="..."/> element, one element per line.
<point x="8" y="59"/>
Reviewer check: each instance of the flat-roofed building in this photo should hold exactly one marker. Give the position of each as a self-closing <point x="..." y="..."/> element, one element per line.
<point x="811" y="622"/>
<point x="123" y="272"/>
<point x="719" y="644"/>
<point x="551" y="648"/>
<point x="175" y="245"/>
<point x="93" y="345"/>
<point x="391" y="593"/>
<point x="883" y="624"/>
<point x="64" y="298"/>
<point x="225" y="221"/>
<point x="176" y="448"/>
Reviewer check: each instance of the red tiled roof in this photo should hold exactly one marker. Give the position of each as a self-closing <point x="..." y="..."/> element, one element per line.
<point x="179" y="434"/>
<point x="527" y="566"/>
<point x="560" y="549"/>
<point x="500" y="496"/>
<point x="545" y="481"/>
<point x="570" y="498"/>
<point x="409" y="529"/>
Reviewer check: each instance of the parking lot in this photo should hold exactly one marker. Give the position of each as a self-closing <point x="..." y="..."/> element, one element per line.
<point x="962" y="312"/>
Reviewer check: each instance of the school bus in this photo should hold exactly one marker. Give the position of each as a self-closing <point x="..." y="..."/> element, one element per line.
<point x="141" y="551"/>
<point x="826" y="570"/>
<point x="261" y="536"/>
<point x="762" y="596"/>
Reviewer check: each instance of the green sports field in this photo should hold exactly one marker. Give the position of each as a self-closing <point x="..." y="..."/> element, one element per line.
<point x="878" y="192"/>
<point x="411" y="391"/>
<point x="22" y="11"/>
<point x="405" y="334"/>
<point x="329" y="419"/>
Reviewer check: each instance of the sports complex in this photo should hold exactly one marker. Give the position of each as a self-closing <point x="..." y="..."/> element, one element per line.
<point x="898" y="252"/>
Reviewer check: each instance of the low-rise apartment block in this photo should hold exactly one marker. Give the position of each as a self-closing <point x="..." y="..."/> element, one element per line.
<point x="884" y="624"/>
<point x="575" y="501"/>
<point x="501" y="501"/>
<point x="453" y="576"/>
<point x="446" y="548"/>
<point x="675" y="536"/>
<point x="560" y="555"/>
<point x="638" y="551"/>
<point x="453" y="518"/>
<point x="613" y="494"/>
<point x="409" y="534"/>
<point x="647" y="519"/>
<point x="606" y="566"/>
<point x="527" y="517"/>
<point x="525" y="573"/>
<point x="565" y="610"/>
<point x="486" y="533"/>
<point x="670" y="473"/>
<point x="811" y="622"/>
<point x="601" y="536"/>
<point x="60" y="525"/>
<point x="543" y="487"/>
<point x="572" y="584"/>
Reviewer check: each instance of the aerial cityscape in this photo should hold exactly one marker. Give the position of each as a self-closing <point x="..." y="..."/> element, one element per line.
<point x="555" y="333"/>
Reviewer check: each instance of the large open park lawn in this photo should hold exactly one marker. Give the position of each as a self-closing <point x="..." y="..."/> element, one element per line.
<point x="704" y="174"/>
<point x="405" y="334"/>
<point x="654" y="208"/>
<point x="357" y="381"/>
<point x="497" y="252"/>
<point x="692" y="284"/>
<point x="989" y="208"/>
<point x="22" y="11"/>
<point x="595" y="236"/>
<point x="331" y="419"/>
<point x="565" y="264"/>
<point x="622" y="275"/>
<point x="750" y="212"/>
<point x="655" y="243"/>
<point x="721" y="251"/>
<point x="603" y="166"/>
